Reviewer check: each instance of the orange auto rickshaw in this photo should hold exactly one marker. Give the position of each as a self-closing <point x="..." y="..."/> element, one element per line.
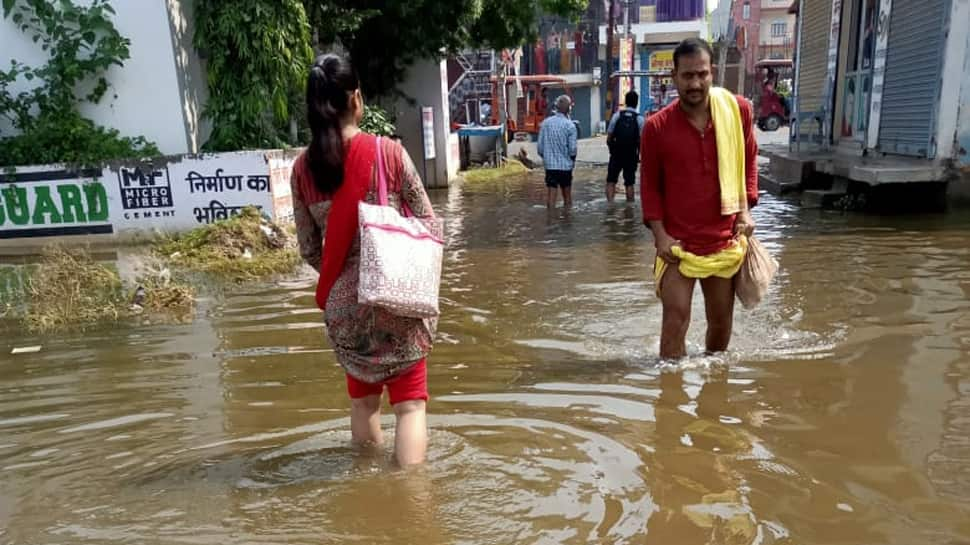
<point x="526" y="113"/>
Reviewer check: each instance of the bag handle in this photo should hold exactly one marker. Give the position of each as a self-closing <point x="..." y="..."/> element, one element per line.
<point x="381" y="177"/>
<point x="382" y="182"/>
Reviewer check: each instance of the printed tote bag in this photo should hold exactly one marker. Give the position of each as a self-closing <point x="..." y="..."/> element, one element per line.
<point x="400" y="256"/>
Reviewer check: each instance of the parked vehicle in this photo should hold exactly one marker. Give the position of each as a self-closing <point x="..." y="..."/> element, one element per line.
<point x="773" y="109"/>
<point x="526" y="114"/>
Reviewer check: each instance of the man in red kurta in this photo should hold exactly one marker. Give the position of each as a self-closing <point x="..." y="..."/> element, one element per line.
<point x="681" y="198"/>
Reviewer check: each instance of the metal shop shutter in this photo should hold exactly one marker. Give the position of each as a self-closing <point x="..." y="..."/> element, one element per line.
<point x="816" y="18"/>
<point x="914" y="66"/>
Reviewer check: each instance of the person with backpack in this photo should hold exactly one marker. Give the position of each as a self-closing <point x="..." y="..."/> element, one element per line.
<point x="623" y="139"/>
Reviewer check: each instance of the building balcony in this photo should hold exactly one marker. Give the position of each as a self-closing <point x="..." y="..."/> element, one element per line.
<point x="776" y="4"/>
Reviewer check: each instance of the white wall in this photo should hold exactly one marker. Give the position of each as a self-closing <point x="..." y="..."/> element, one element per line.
<point x="144" y="97"/>
<point x="962" y="152"/>
<point x="427" y="85"/>
<point x="595" y="109"/>
<point x="954" y="63"/>
<point x="131" y="200"/>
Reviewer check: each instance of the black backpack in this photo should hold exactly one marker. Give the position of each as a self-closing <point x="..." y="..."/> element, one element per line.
<point x="626" y="133"/>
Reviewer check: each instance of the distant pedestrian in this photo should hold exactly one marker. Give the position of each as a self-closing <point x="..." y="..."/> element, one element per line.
<point x="663" y="97"/>
<point x="486" y="113"/>
<point x="623" y="141"/>
<point x="557" y="147"/>
<point x="542" y="103"/>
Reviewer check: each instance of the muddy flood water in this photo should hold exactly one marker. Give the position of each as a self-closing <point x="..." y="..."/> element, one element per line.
<point x="840" y="416"/>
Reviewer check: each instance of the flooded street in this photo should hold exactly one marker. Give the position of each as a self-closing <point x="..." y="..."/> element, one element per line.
<point x="841" y="415"/>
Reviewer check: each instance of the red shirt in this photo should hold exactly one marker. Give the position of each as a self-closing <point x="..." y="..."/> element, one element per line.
<point x="679" y="178"/>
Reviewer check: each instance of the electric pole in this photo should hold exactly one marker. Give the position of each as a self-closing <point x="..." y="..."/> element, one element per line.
<point x="503" y="114"/>
<point x="721" y="60"/>
<point x="610" y="33"/>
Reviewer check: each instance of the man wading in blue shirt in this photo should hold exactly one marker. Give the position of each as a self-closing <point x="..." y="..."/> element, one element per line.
<point x="557" y="147"/>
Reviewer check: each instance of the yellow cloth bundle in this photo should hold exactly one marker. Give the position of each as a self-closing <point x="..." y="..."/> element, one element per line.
<point x="723" y="264"/>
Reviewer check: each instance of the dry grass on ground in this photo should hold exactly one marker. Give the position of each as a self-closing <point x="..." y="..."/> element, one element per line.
<point x="244" y="247"/>
<point x="511" y="167"/>
<point x="72" y="291"/>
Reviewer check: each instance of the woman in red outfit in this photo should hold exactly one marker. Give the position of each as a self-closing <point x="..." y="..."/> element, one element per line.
<point x="376" y="348"/>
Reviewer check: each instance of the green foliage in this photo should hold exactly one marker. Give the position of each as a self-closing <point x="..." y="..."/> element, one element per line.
<point x="258" y="51"/>
<point x="330" y="20"/>
<point x="258" y="54"/>
<point x="82" y="44"/>
<point x="510" y="23"/>
<point x="377" y="121"/>
<point x="385" y="37"/>
<point x="67" y="137"/>
<point x="782" y="88"/>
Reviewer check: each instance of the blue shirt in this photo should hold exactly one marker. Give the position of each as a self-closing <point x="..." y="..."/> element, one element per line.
<point x="616" y="116"/>
<point x="557" y="142"/>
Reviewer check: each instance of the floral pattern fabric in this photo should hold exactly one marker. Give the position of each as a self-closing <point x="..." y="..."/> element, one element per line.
<point x="371" y="344"/>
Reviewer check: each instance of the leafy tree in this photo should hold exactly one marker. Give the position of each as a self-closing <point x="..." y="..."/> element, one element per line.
<point x="511" y="23"/>
<point x="385" y="37"/>
<point x="377" y="121"/>
<point x="258" y="54"/>
<point x="258" y="51"/>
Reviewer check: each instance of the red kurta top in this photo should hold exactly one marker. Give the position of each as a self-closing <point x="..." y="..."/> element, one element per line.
<point x="679" y="178"/>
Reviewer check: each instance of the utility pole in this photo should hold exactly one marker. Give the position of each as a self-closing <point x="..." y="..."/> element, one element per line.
<point x="721" y="60"/>
<point x="503" y="114"/>
<point x="629" y="18"/>
<point x="610" y="33"/>
<point x="633" y="46"/>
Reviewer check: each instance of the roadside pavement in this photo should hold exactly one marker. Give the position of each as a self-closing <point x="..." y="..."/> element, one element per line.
<point x="592" y="152"/>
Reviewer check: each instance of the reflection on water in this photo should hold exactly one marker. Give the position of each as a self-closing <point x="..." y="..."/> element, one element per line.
<point x="842" y="414"/>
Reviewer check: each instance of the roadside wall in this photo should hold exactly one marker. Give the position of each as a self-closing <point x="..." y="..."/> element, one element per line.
<point x="127" y="201"/>
<point x="144" y="97"/>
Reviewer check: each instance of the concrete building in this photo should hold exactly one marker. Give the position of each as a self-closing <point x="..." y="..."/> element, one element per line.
<point x="573" y="57"/>
<point x="569" y="52"/>
<point x="776" y="30"/>
<point x="721" y="26"/>
<point x="724" y="41"/>
<point x="882" y="95"/>
<point x="656" y="27"/>
<point x="762" y="29"/>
